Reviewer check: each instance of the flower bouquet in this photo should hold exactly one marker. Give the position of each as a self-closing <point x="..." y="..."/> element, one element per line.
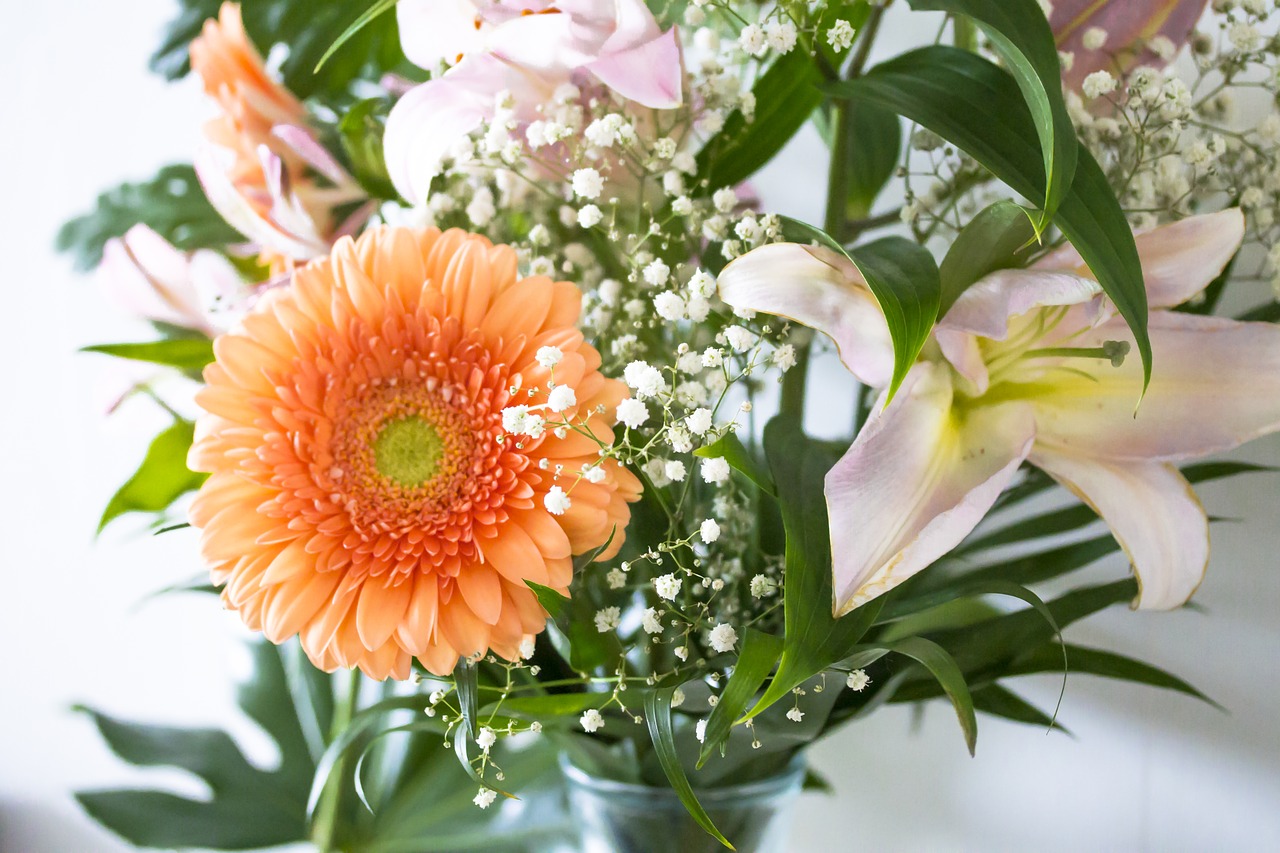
<point x="496" y="406"/>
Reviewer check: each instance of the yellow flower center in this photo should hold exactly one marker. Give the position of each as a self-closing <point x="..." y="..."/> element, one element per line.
<point x="408" y="451"/>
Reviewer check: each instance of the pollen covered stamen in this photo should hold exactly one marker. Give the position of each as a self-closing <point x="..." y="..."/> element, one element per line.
<point x="408" y="451"/>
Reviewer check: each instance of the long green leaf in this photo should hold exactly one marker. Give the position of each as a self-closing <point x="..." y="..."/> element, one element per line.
<point x="657" y="713"/>
<point x="942" y="666"/>
<point x="903" y="277"/>
<point x="190" y="354"/>
<point x="465" y="680"/>
<point x="161" y="479"/>
<point x="1106" y="664"/>
<point x="978" y="107"/>
<point x="875" y="136"/>
<point x="760" y="651"/>
<point x="1020" y="34"/>
<point x="999" y="701"/>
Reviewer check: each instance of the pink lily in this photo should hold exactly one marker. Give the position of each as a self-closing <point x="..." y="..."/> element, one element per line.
<point x="154" y="280"/>
<point x="529" y="49"/>
<point x="1027" y="367"/>
<point x="1130" y="25"/>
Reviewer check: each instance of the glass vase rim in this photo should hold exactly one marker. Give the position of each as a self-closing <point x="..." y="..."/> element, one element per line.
<point x="792" y="774"/>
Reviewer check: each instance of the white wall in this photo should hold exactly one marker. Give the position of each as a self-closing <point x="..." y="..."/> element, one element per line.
<point x="1148" y="770"/>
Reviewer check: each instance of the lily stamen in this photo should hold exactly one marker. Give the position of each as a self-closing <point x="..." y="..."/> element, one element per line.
<point x="1112" y="351"/>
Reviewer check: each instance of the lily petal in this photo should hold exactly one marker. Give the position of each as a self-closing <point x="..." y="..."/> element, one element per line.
<point x="1129" y="25"/>
<point x="1153" y="513"/>
<point x="650" y="73"/>
<point x="820" y="289"/>
<point x="1217" y="385"/>
<point x="435" y="31"/>
<point x="1178" y="260"/>
<point x="917" y="480"/>
<point x="987" y="306"/>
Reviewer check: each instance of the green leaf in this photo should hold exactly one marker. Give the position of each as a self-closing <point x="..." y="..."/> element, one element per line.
<point x="875" y="144"/>
<point x="162" y="477"/>
<point x="729" y="448"/>
<point x="999" y="701"/>
<point x="657" y="713"/>
<point x="190" y="354"/>
<point x="998" y="238"/>
<point x="248" y="807"/>
<point x="904" y="279"/>
<point x="172" y="204"/>
<point x="814" y="638"/>
<point x="786" y="95"/>
<point x="1019" y="32"/>
<point x="545" y="707"/>
<point x="465" y="680"/>
<point x="361" y="130"/>
<point x="309" y="29"/>
<point x="552" y="601"/>
<point x="1268" y="313"/>
<point x="1107" y="665"/>
<point x="378" y="7"/>
<point x="760" y="651"/>
<point x="978" y="107"/>
<point x="943" y="668"/>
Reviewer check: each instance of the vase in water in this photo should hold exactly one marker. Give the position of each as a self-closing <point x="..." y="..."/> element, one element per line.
<point x="622" y="817"/>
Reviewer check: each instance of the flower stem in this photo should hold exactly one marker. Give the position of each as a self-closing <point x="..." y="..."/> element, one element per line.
<point x="324" y="829"/>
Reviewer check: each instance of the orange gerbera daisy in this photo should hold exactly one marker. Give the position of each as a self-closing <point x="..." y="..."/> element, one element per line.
<point x="363" y="492"/>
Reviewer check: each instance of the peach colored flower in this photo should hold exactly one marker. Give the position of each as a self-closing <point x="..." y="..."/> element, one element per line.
<point x="261" y="165"/>
<point x="363" y="492"/>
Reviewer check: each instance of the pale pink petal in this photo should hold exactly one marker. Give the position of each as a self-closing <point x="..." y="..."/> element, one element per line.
<point x="916" y="481"/>
<point x="987" y="306"/>
<point x="432" y="118"/>
<point x="962" y="351"/>
<point x="303" y="143"/>
<point x="435" y="31"/>
<point x="1153" y="513"/>
<point x="549" y="45"/>
<point x="820" y="289"/>
<point x="1216" y="385"/>
<point x="212" y="168"/>
<point x="151" y="278"/>
<point x="1178" y="260"/>
<point x="650" y="73"/>
<point x="1129" y="24"/>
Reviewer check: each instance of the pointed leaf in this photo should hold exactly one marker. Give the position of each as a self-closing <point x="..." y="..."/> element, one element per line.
<point x="657" y="713"/>
<point x="161" y="479"/>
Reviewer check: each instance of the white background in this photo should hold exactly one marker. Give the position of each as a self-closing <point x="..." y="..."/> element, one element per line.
<point x="1147" y="770"/>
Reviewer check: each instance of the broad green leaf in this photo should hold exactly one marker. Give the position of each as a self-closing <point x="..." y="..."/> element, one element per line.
<point x="904" y="279"/>
<point x="657" y="713"/>
<point x="872" y="155"/>
<point x="248" y="807"/>
<point x="161" y="479"/>
<point x="1019" y="32"/>
<point x="948" y="675"/>
<point x="551" y="600"/>
<point x="760" y="651"/>
<point x="729" y="448"/>
<point x="172" y="204"/>
<point x="189" y="354"/>
<point x="814" y="639"/>
<point x="308" y="29"/>
<point x="786" y="95"/>
<point x="978" y="107"/>
<point x="998" y="238"/>
<point x="1107" y="665"/>
<point x="999" y="701"/>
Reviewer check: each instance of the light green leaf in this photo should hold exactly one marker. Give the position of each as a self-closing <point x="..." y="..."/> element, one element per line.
<point x="162" y="477"/>
<point x="465" y="680"/>
<point x="998" y="238"/>
<point x="978" y="107"/>
<point x="190" y="354"/>
<point x="361" y="131"/>
<point x="731" y="449"/>
<point x="903" y="278"/>
<point x="1020" y="34"/>
<point x="943" y="667"/>
<point x="760" y="651"/>
<point x="657" y="713"/>
<point x="552" y="601"/>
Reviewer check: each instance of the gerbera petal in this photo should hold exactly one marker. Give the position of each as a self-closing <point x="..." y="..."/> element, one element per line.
<point x="918" y="478"/>
<point x="1216" y="387"/>
<point x="380" y="609"/>
<point x="291" y="605"/>
<point x="820" y="289"/>
<point x="1152" y="511"/>
<point x="481" y="589"/>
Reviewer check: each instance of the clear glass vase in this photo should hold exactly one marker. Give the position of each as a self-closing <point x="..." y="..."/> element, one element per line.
<point x="620" y="817"/>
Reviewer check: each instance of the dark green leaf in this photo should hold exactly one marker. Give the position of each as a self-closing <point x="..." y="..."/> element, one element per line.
<point x="998" y="238"/>
<point x="1268" y="313"/>
<point x="786" y="95"/>
<point x="729" y="448"/>
<point x="657" y="713"/>
<point x="999" y="701"/>
<point x="875" y="143"/>
<point x="1107" y="665"/>
<point x="161" y="479"/>
<point x="943" y="667"/>
<point x="361" y="130"/>
<point x="904" y="279"/>
<point x="190" y="354"/>
<point x="172" y="204"/>
<point x="978" y="107"/>
<point x="308" y="29"/>
<point x="1020" y="34"/>
<point x="760" y="651"/>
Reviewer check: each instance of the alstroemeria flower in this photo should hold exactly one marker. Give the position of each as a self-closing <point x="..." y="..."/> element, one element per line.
<point x="261" y="165"/>
<point x="1029" y="366"/>
<point x="527" y="48"/>
<point x="1130" y="26"/>
<point x="154" y="280"/>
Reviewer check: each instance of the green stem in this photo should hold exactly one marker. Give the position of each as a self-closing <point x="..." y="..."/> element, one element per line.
<point x="325" y="828"/>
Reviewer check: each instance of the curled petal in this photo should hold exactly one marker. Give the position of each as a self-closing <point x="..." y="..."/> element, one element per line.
<point x="986" y="307"/>
<point x="1153" y="513"/>
<point x="820" y="289"/>
<point x="917" y="480"/>
<point x="1217" y="386"/>
<point x="152" y="278"/>
<point x="650" y="73"/>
